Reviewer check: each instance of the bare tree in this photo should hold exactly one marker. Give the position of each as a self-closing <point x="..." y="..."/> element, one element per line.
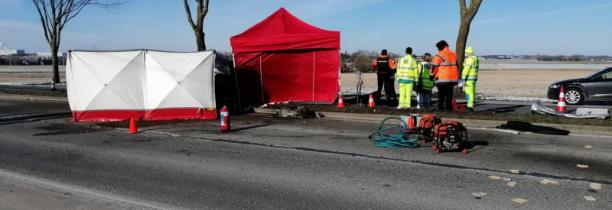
<point x="54" y="14"/>
<point x="468" y="12"/>
<point x="198" y="25"/>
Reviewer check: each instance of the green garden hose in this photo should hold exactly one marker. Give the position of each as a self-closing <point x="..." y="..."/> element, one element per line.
<point x="385" y="137"/>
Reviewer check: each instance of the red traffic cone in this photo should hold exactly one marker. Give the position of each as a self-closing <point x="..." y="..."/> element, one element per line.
<point x="461" y="108"/>
<point x="133" y="128"/>
<point x="340" y="102"/>
<point x="371" y="102"/>
<point x="561" y="102"/>
<point x="224" y="120"/>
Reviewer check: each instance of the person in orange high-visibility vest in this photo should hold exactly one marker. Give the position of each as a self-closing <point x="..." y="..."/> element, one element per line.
<point x="446" y="75"/>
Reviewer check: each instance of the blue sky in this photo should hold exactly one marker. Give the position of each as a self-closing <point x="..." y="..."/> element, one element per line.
<point x="501" y="26"/>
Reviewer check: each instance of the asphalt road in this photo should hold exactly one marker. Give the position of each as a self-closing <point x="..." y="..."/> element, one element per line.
<point x="269" y="163"/>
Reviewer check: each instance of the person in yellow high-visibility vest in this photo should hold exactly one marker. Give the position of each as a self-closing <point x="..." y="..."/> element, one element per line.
<point x="471" y="66"/>
<point x="424" y="83"/>
<point x="406" y="76"/>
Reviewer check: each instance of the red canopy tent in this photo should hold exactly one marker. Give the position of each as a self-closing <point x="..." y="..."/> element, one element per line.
<point x="283" y="59"/>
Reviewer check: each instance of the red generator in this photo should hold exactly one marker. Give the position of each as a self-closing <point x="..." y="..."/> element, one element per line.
<point x="450" y="136"/>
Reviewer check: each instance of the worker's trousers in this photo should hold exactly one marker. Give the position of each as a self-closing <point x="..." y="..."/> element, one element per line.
<point x="469" y="88"/>
<point x="405" y="92"/>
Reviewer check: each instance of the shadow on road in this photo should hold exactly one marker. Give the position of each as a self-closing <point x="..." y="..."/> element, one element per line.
<point x="528" y="127"/>
<point x="477" y="145"/>
<point x="57" y="129"/>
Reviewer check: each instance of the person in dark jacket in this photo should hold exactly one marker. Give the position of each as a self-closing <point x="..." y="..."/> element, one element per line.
<point x="385" y="68"/>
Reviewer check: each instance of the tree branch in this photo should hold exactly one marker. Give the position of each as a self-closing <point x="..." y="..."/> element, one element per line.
<point x="43" y="18"/>
<point x="189" y="16"/>
<point x="55" y="14"/>
<point x="462" y="8"/>
<point x="474" y="6"/>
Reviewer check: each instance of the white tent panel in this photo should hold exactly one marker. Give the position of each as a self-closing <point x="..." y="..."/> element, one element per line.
<point x="205" y="93"/>
<point x="181" y="98"/>
<point x="89" y="73"/>
<point x="180" y="80"/>
<point x="159" y="84"/>
<point x="135" y="82"/>
<point x="178" y="65"/>
<point x="126" y="89"/>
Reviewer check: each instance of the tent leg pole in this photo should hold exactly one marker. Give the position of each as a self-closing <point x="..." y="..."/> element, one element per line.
<point x="263" y="100"/>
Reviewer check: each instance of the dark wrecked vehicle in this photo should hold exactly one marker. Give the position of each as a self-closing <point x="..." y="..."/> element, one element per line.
<point x="594" y="88"/>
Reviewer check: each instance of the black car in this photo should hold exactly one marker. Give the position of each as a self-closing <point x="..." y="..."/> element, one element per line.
<point x="597" y="87"/>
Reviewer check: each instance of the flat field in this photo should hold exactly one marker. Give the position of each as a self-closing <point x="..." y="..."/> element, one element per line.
<point x="509" y="83"/>
<point x="505" y="79"/>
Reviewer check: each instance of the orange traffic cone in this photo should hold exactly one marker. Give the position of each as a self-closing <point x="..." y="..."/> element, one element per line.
<point x="561" y="102"/>
<point x="133" y="128"/>
<point x="340" y="102"/>
<point x="371" y="102"/>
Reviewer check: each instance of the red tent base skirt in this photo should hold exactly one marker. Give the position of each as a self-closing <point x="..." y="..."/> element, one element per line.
<point x="152" y="115"/>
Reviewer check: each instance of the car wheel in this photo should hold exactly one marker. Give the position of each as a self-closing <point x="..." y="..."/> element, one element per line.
<point x="574" y="96"/>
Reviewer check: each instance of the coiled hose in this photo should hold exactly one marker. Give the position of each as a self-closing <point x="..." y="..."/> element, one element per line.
<point x="385" y="138"/>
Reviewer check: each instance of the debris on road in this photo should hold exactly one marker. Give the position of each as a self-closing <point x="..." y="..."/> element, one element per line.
<point x="519" y="200"/>
<point x="301" y="112"/>
<point x="588" y="147"/>
<point x="582" y="114"/>
<point x="495" y="177"/>
<point x="506" y="179"/>
<point x="593" y="112"/>
<point x="511" y="184"/>
<point x="582" y="166"/>
<point x="548" y="181"/>
<point x="589" y="198"/>
<point x="595" y="186"/>
<point x="479" y="195"/>
<point x="515" y="171"/>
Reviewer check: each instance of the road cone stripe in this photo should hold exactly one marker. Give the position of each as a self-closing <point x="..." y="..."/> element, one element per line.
<point x="561" y="102"/>
<point x="371" y="102"/>
<point x="340" y="102"/>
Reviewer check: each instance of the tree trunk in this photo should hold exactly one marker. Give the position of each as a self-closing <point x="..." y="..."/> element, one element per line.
<point x="199" y="34"/>
<point x="464" y="31"/>
<point x="55" y="62"/>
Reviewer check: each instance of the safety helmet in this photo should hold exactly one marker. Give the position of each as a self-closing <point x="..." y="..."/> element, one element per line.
<point x="469" y="50"/>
